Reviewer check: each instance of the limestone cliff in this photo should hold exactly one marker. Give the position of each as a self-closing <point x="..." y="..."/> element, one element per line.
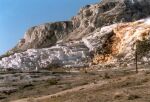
<point x="103" y="33"/>
<point x="87" y="20"/>
<point x="45" y="35"/>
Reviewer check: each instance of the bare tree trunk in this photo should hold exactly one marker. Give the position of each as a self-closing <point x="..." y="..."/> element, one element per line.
<point x="136" y="60"/>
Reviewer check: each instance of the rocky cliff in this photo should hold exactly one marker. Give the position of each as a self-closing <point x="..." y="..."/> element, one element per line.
<point x="88" y="19"/>
<point x="103" y="33"/>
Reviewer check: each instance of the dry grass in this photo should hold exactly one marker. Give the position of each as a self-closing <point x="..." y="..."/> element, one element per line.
<point x="121" y="88"/>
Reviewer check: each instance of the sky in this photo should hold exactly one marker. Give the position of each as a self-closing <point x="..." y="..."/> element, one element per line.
<point x="16" y="16"/>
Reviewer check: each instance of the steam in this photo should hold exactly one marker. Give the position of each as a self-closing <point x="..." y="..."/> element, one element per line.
<point x="142" y="2"/>
<point x="147" y="21"/>
<point x="132" y="1"/>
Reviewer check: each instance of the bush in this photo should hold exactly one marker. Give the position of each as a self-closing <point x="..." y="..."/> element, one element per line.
<point x="52" y="81"/>
<point x="132" y="97"/>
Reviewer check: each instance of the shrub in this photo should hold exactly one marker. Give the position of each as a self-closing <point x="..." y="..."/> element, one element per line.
<point x="52" y="81"/>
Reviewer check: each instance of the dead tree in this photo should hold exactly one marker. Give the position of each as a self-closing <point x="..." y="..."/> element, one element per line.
<point x="136" y="59"/>
<point x="141" y="49"/>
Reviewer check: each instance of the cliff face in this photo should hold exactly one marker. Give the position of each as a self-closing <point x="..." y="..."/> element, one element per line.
<point x="88" y="19"/>
<point x="121" y="41"/>
<point x="45" y="35"/>
<point x="103" y="33"/>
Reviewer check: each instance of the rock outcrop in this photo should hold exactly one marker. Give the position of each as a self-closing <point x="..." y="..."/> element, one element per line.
<point x="103" y="33"/>
<point x="121" y="41"/>
<point x="112" y="44"/>
<point x="105" y="13"/>
<point x="72" y="54"/>
<point x="45" y="35"/>
<point x="89" y="18"/>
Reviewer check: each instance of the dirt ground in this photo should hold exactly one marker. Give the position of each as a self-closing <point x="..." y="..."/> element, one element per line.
<point x="111" y="85"/>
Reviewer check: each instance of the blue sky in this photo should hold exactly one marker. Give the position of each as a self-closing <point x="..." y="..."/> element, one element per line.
<point x="16" y="16"/>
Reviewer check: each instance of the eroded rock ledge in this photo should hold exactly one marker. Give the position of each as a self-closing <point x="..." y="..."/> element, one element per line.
<point x="88" y="19"/>
<point x="103" y="33"/>
<point x="110" y="45"/>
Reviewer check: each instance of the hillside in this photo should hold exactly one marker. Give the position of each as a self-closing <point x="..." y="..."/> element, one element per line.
<point x="117" y="86"/>
<point x="103" y="33"/>
<point x="90" y="58"/>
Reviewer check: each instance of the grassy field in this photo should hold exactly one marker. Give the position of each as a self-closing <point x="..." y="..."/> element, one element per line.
<point x="109" y="85"/>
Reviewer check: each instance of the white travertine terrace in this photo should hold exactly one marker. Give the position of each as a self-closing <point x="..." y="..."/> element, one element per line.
<point x="78" y="53"/>
<point x="68" y="55"/>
